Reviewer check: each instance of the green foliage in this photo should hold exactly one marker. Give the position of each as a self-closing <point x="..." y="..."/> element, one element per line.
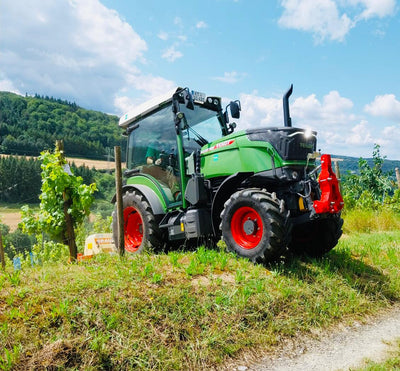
<point x="29" y="125"/>
<point x="20" y="180"/>
<point x="371" y="189"/>
<point x="58" y="187"/>
<point x="17" y="242"/>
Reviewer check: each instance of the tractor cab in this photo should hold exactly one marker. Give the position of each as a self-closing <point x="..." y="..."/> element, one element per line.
<point x="165" y="131"/>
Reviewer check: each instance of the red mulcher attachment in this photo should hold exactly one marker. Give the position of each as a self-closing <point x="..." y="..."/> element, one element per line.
<point x="331" y="200"/>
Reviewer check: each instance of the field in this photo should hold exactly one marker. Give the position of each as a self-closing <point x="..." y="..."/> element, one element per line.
<point x="10" y="217"/>
<point x="188" y="310"/>
<point x="97" y="164"/>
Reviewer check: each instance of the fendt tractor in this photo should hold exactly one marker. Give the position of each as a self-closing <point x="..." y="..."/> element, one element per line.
<point x="192" y="179"/>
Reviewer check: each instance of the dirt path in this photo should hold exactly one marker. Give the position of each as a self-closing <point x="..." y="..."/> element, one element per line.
<point x="342" y="350"/>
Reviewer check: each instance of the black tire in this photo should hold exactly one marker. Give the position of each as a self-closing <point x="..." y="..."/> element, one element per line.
<point x="317" y="237"/>
<point x="254" y="225"/>
<point x="141" y="230"/>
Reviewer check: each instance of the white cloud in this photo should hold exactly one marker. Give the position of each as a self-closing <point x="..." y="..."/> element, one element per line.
<point x="331" y="19"/>
<point x="333" y="110"/>
<point x="230" y="77"/>
<point x="259" y="111"/>
<point x="201" y="24"/>
<point x="7" y="85"/>
<point x="163" y="35"/>
<point x="305" y="111"/>
<point x="375" y="8"/>
<point x="359" y="135"/>
<point x="320" y="17"/>
<point x="171" y="54"/>
<point x="75" y="50"/>
<point x="386" y="106"/>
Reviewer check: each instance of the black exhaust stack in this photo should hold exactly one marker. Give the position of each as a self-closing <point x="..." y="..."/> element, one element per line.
<point x="286" y="115"/>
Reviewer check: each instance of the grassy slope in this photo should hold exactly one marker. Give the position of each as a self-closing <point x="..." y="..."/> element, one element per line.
<point x="187" y="310"/>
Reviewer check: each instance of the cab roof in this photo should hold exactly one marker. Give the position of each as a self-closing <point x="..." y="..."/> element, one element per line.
<point x="145" y="108"/>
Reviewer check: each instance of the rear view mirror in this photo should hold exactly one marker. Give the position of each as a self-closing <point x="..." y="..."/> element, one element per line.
<point x="235" y="109"/>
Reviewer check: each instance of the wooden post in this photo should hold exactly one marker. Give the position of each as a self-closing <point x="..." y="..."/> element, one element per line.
<point x="398" y="177"/>
<point x="69" y="224"/>
<point x="3" y="262"/>
<point x="120" y="213"/>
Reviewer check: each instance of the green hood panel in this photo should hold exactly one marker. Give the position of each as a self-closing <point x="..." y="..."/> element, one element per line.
<point x="236" y="153"/>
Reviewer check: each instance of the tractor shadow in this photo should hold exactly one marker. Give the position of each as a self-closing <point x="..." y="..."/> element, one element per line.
<point x="359" y="275"/>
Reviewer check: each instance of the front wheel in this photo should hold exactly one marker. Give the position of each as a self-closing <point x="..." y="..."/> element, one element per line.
<point x="254" y="225"/>
<point x="140" y="228"/>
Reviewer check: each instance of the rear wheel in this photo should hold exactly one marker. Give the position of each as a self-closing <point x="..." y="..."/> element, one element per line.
<point x="140" y="228"/>
<point x="317" y="237"/>
<point x="254" y="225"/>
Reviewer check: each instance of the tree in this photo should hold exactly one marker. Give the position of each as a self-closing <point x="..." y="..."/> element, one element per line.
<point x="64" y="202"/>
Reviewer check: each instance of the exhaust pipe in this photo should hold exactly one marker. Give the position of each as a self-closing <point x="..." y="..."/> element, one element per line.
<point x="286" y="115"/>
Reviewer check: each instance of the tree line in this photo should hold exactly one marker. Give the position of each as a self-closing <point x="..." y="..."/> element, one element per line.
<point x="29" y="125"/>
<point x="20" y="180"/>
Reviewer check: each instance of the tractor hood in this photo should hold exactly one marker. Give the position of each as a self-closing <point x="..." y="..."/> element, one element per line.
<point x="291" y="143"/>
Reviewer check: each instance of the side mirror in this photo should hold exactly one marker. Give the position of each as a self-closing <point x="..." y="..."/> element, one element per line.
<point x="235" y="109"/>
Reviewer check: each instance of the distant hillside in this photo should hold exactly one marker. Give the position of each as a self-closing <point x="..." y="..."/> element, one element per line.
<point x="350" y="164"/>
<point x="28" y="125"/>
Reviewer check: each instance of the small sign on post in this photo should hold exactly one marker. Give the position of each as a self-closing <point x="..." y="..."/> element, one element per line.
<point x="120" y="214"/>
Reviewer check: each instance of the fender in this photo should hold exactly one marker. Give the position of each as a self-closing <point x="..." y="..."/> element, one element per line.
<point x="225" y="190"/>
<point x="148" y="193"/>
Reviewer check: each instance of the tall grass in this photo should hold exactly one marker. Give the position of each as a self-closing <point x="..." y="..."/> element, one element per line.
<point x="188" y="311"/>
<point x="367" y="221"/>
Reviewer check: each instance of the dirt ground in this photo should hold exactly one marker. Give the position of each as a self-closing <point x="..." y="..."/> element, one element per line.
<point x="11" y="219"/>
<point x="344" y="349"/>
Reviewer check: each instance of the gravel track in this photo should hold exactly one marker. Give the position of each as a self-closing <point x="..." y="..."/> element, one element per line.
<point x="346" y="348"/>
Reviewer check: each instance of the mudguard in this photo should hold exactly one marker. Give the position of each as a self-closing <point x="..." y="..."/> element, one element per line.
<point x="331" y="200"/>
<point x="150" y="196"/>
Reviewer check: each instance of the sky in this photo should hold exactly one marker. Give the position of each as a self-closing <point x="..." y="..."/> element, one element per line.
<point x="342" y="56"/>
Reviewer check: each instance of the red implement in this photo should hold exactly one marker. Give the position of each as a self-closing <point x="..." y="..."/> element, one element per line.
<point x="331" y="200"/>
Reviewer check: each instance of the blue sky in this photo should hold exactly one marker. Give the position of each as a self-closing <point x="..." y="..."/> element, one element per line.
<point x="342" y="56"/>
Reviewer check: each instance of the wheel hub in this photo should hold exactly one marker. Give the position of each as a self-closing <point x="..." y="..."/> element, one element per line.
<point x="250" y="226"/>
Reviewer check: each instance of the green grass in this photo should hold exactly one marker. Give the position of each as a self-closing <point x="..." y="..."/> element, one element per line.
<point x="360" y="220"/>
<point x="193" y="310"/>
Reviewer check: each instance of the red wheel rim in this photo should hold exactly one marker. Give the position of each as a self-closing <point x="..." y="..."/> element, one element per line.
<point x="247" y="227"/>
<point x="133" y="229"/>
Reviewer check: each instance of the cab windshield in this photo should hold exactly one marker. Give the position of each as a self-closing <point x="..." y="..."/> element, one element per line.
<point x="202" y="122"/>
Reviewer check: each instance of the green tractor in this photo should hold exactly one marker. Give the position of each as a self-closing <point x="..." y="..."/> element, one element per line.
<point x="192" y="179"/>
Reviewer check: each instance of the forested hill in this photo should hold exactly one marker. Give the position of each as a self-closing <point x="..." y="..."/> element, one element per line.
<point x="28" y="125"/>
<point x="350" y="164"/>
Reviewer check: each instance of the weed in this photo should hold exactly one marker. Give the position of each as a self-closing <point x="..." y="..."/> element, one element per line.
<point x="9" y="357"/>
<point x="15" y="278"/>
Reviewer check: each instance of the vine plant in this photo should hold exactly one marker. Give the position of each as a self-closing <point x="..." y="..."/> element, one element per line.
<point x="64" y="201"/>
